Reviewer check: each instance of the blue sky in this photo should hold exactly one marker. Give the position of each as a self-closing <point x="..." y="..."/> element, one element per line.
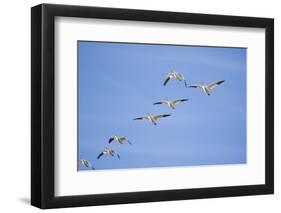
<point x="121" y="81"/>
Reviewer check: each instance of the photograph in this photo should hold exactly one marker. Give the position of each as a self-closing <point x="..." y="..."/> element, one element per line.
<point x="146" y="105"/>
<point x="138" y="105"/>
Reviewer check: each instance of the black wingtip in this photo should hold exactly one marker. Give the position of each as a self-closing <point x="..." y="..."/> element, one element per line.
<point x="166" y="81"/>
<point x="167" y="115"/>
<point x="157" y="103"/>
<point x="220" y="82"/>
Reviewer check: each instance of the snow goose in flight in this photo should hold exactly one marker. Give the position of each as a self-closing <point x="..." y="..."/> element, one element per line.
<point x="176" y="75"/>
<point x="152" y="118"/>
<point x="171" y="103"/>
<point x="119" y="139"/>
<point x="206" y="88"/>
<point x="86" y="163"/>
<point x="108" y="151"/>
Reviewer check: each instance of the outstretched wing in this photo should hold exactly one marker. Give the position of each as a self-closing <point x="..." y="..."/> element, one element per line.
<point x="160" y="102"/>
<point x="129" y="142"/>
<point x="166" y="80"/>
<point x="214" y="84"/>
<point x="85" y="163"/>
<point x="195" y="86"/>
<point x="179" y="100"/>
<point x="140" y="118"/>
<point x="101" y="154"/>
<point x="110" y="139"/>
<point x="179" y="76"/>
<point x="122" y="139"/>
<point x="161" y="116"/>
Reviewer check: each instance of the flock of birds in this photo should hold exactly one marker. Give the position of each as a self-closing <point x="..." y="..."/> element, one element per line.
<point x="206" y="88"/>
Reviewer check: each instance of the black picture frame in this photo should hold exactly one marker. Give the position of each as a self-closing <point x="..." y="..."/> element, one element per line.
<point x="43" y="102"/>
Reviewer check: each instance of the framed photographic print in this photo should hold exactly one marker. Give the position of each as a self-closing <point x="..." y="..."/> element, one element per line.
<point x="139" y="106"/>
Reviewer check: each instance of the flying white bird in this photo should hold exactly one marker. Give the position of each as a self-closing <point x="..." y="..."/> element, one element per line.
<point x="108" y="151"/>
<point x="119" y="139"/>
<point x="206" y="88"/>
<point x="176" y="75"/>
<point x="171" y="103"/>
<point x="86" y="163"/>
<point x="152" y="118"/>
